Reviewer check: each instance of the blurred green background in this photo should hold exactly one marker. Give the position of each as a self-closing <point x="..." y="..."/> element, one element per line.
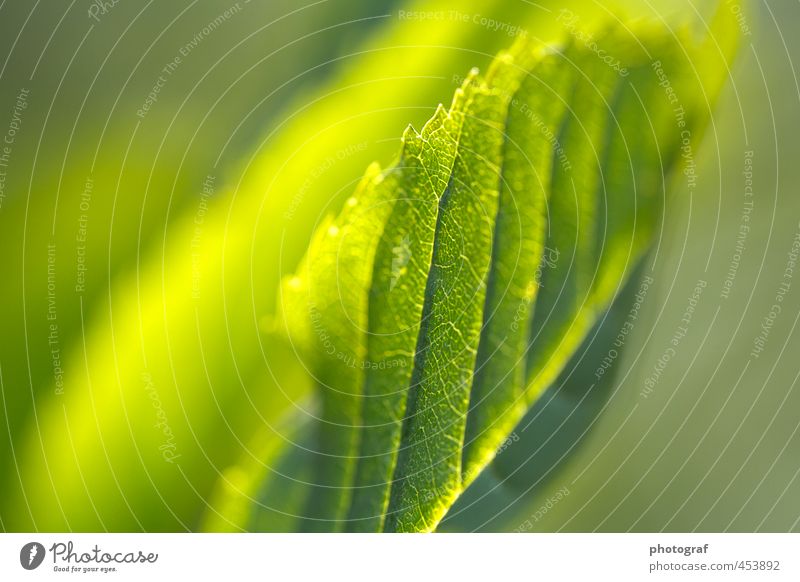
<point x="167" y="163"/>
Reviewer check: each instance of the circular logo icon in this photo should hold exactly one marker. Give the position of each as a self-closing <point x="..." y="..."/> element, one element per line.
<point x="31" y="555"/>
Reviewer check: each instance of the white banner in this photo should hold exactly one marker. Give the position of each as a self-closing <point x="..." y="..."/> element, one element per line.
<point x="375" y="557"/>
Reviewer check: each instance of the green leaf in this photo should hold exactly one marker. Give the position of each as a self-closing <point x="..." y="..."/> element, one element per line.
<point x="548" y="172"/>
<point x="427" y="476"/>
<point x="397" y="295"/>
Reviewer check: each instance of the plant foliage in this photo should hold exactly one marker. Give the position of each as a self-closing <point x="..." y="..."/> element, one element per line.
<point x="455" y="284"/>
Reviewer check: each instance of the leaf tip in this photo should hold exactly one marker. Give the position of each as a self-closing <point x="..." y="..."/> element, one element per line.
<point x="409" y="134"/>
